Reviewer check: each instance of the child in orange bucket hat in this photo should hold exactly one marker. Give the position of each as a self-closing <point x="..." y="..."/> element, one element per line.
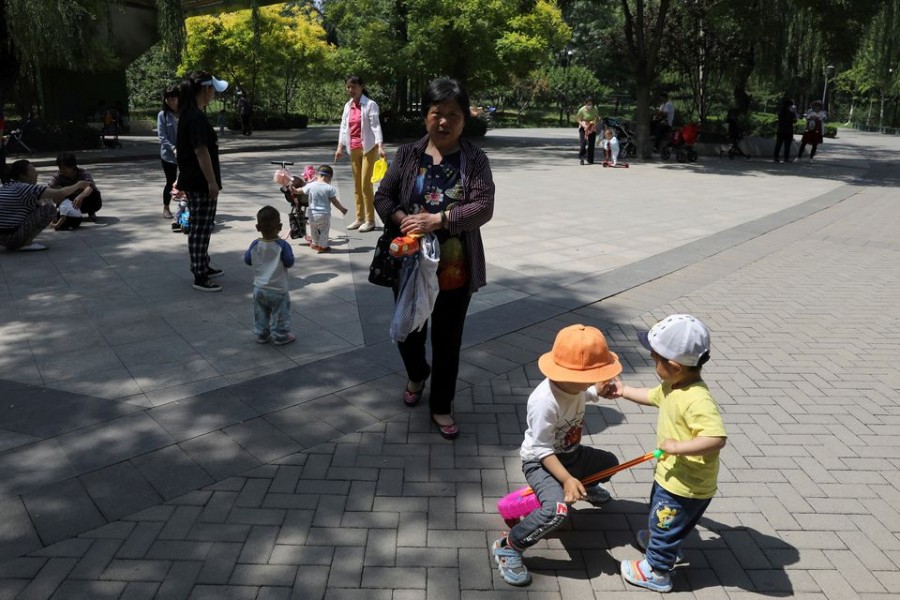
<point x="553" y="459"/>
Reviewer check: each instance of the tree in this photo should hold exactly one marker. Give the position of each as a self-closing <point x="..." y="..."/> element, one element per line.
<point x="643" y="35"/>
<point x="480" y="42"/>
<point x="570" y="86"/>
<point x="285" y="42"/>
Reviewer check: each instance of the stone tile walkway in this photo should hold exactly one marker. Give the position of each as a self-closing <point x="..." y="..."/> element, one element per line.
<point x="314" y="482"/>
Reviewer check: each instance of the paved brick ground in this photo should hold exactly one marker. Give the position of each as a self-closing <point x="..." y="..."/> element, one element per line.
<point x="363" y="501"/>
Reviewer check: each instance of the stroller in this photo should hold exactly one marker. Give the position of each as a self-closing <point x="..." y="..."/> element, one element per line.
<point x="627" y="138"/>
<point x="683" y="141"/>
<point x="297" y="218"/>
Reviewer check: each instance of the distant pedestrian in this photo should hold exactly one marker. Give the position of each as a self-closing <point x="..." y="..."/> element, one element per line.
<point x="167" y="131"/>
<point x="588" y="117"/>
<point x="787" y="118"/>
<point x="245" y="111"/>
<point x="690" y="431"/>
<point x="321" y="196"/>
<point x="271" y="257"/>
<point x="361" y="134"/>
<point x="221" y="121"/>
<point x="553" y="458"/>
<point x="812" y="134"/>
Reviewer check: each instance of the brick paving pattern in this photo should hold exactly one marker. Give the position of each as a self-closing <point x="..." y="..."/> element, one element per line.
<point x="367" y="502"/>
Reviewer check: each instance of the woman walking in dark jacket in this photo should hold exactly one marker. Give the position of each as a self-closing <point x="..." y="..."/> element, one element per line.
<point x="441" y="184"/>
<point x="787" y="116"/>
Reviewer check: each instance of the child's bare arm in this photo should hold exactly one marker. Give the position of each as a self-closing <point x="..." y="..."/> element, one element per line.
<point x="338" y="205"/>
<point x="699" y="446"/>
<point x="572" y="488"/>
<point x="617" y="389"/>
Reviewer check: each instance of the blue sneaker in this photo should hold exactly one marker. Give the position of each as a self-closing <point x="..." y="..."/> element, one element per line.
<point x="639" y="573"/>
<point x="597" y="494"/>
<point x="510" y="565"/>
<point x="643" y="540"/>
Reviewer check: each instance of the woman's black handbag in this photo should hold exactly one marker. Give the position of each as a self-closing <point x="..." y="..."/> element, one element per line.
<point x="385" y="269"/>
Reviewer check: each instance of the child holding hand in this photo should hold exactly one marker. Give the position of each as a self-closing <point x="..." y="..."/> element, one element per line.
<point x="553" y="458"/>
<point x="690" y="431"/>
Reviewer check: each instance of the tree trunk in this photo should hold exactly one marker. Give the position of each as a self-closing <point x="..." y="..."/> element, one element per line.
<point x="644" y="143"/>
<point x="643" y="36"/>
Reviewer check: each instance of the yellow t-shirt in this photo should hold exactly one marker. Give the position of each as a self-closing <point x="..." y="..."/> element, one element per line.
<point x="683" y="415"/>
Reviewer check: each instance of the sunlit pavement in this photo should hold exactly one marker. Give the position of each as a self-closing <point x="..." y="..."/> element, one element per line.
<point x="140" y="416"/>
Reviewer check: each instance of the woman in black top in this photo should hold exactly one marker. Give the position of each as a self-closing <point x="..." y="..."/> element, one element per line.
<point x="197" y="150"/>
<point x="787" y="116"/>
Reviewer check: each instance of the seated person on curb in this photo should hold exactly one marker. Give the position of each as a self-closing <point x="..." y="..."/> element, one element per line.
<point x="69" y="173"/>
<point x="553" y="458"/>
<point x="690" y="431"/>
<point x="26" y="208"/>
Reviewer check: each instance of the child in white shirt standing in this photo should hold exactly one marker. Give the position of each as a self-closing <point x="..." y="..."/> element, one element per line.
<point x="270" y="258"/>
<point x="321" y="195"/>
<point x="610" y="146"/>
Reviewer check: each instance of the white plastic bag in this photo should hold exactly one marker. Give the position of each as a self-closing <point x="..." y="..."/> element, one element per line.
<point x="418" y="289"/>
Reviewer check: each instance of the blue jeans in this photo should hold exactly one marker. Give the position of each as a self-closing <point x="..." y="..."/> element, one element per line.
<point x="273" y="312"/>
<point x="671" y="519"/>
<point x="581" y="463"/>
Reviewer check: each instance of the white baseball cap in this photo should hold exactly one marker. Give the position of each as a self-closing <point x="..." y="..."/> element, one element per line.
<point x="680" y="338"/>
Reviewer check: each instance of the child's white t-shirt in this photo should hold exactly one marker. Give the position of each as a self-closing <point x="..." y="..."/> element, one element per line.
<point x="555" y="421"/>
<point x="319" y="194"/>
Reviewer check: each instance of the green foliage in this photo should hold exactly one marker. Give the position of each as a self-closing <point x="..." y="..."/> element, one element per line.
<point x="480" y="42"/>
<point x="569" y="87"/>
<point x="267" y="56"/>
<point x="171" y="27"/>
<point x="59" y="33"/>
<point x="147" y="77"/>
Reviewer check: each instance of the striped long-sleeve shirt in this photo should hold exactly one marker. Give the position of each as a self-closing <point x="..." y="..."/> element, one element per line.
<point x="476" y="208"/>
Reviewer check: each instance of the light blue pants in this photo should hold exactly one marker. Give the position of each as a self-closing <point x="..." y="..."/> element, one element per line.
<point x="273" y="312"/>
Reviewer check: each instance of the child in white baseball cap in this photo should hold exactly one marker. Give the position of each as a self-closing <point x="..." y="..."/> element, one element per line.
<point x="690" y="431"/>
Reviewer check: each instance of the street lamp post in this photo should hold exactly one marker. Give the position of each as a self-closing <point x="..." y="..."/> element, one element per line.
<point x="829" y="71"/>
<point x="566" y="57"/>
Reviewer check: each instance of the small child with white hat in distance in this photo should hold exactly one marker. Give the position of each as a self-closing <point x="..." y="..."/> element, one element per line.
<point x="553" y="458"/>
<point x="690" y="431"/>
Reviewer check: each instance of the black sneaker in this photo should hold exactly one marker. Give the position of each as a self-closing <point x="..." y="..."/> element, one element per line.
<point x="207" y="286"/>
<point x="214" y="273"/>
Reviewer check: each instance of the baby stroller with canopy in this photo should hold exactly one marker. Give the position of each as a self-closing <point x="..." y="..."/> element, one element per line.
<point x="683" y="140"/>
<point x="625" y="135"/>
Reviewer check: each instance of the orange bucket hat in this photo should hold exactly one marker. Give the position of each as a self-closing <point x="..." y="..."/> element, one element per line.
<point x="580" y="354"/>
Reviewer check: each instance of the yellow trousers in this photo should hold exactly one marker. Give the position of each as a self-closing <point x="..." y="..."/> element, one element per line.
<point x="362" y="164"/>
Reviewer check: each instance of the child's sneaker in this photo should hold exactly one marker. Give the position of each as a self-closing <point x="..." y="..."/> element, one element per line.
<point x="597" y="494"/>
<point x="643" y="540"/>
<point x="509" y="563"/>
<point x="287" y="339"/>
<point x="639" y="573"/>
<point x="262" y="338"/>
